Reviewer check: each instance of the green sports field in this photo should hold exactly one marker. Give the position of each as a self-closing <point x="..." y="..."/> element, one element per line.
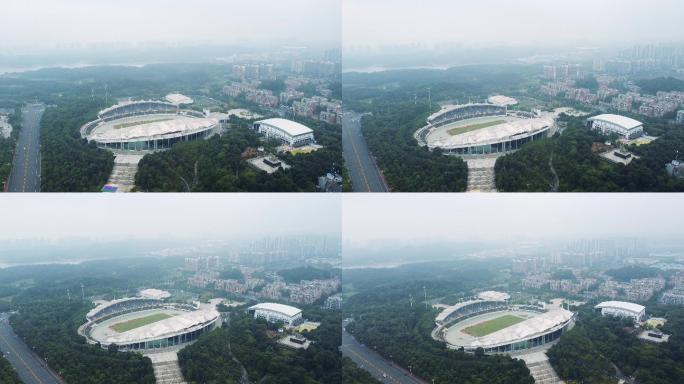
<point x="493" y="325"/>
<point x="139" y="322"/>
<point x="472" y="127"/>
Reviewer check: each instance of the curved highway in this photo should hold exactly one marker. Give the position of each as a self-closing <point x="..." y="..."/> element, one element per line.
<point x="380" y="368"/>
<point x="363" y="171"/>
<point x="31" y="368"/>
<point x="25" y="174"/>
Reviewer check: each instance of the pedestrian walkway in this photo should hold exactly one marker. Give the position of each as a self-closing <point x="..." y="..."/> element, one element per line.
<point x="481" y="174"/>
<point x="123" y="173"/>
<point x="540" y="368"/>
<point x="166" y="368"/>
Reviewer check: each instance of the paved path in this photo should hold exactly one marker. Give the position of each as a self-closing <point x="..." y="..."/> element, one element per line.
<point x="123" y="172"/>
<point x="481" y="174"/>
<point x="30" y="367"/>
<point x="363" y="170"/>
<point x="25" y="174"/>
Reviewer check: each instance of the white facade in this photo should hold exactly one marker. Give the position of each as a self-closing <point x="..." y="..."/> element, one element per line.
<point x="274" y="312"/>
<point x="287" y="131"/>
<point x="622" y="309"/>
<point x="621" y="125"/>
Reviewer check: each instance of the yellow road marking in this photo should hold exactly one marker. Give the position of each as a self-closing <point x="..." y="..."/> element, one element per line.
<point x="358" y="158"/>
<point x="22" y="360"/>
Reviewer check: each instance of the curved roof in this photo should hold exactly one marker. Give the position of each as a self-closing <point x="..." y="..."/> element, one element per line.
<point x="127" y="103"/>
<point x="623" y="121"/>
<point x="526" y="328"/>
<point x="164" y="328"/>
<point x="448" y="311"/>
<point x="493" y="134"/>
<point x="452" y="107"/>
<point x="149" y="126"/>
<point x="279" y="308"/>
<point x="623" y="305"/>
<point x="493" y="296"/>
<point x="152" y="293"/>
<point x="107" y="304"/>
<point x="178" y="99"/>
<point x="502" y="100"/>
<point x="290" y="127"/>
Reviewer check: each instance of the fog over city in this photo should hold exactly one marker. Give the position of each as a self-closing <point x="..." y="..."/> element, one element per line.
<point x="44" y="24"/>
<point x="524" y="22"/>
<point x="418" y="219"/>
<point x="167" y="216"/>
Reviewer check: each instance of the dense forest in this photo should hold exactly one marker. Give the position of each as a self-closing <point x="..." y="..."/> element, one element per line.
<point x="578" y="169"/>
<point x="218" y="165"/>
<point x="7" y="374"/>
<point x="385" y="319"/>
<point x="7" y="146"/>
<point x="591" y="351"/>
<point x="353" y="374"/>
<point x="68" y="162"/>
<point x="251" y="343"/>
<point x="661" y="84"/>
<point x="633" y="272"/>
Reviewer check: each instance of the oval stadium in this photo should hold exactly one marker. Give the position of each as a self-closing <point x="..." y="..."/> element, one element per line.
<point x="497" y="327"/>
<point x="145" y="324"/>
<point x="481" y="129"/>
<point x="147" y="126"/>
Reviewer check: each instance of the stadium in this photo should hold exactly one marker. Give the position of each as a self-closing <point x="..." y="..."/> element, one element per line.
<point x="145" y="324"/>
<point x="148" y="125"/>
<point x="497" y="327"/>
<point x="482" y="128"/>
<point x="622" y="126"/>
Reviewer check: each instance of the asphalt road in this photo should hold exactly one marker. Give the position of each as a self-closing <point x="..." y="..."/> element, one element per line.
<point x="363" y="171"/>
<point x="25" y="175"/>
<point x="380" y="368"/>
<point x="31" y="368"/>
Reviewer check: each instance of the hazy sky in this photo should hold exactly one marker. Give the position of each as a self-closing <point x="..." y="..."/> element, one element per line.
<point x="63" y="22"/>
<point x="424" y="218"/>
<point x="176" y="216"/>
<point x="526" y="22"/>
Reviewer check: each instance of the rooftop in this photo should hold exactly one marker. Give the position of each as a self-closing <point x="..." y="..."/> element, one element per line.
<point x="526" y="328"/>
<point x="275" y="307"/>
<point x="178" y="99"/>
<point x="143" y="127"/>
<point x="631" y="307"/>
<point x="165" y="327"/>
<point x="500" y="132"/>
<point x="623" y="121"/>
<point x="292" y="128"/>
<point x="152" y="293"/>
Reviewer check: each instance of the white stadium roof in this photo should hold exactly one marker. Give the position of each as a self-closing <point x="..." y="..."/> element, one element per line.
<point x="292" y="128"/>
<point x="166" y="327"/>
<point x="446" y="312"/>
<point x="106" y="304"/>
<point x="525" y="329"/>
<point x="623" y="305"/>
<point x="622" y="121"/>
<point x="493" y="296"/>
<point x="107" y="132"/>
<point x="502" y="100"/>
<point x="450" y="107"/>
<point x="129" y="102"/>
<point x="494" y="134"/>
<point x="279" y="308"/>
<point x="178" y="99"/>
<point x="152" y="293"/>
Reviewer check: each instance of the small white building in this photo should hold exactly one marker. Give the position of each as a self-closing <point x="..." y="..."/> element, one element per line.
<point x="622" y="309"/>
<point x="623" y="126"/>
<point x="289" y="132"/>
<point x="274" y="312"/>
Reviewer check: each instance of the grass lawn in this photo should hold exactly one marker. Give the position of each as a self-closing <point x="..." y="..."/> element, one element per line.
<point x="139" y="322"/>
<point x="493" y="325"/>
<point x="472" y="127"/>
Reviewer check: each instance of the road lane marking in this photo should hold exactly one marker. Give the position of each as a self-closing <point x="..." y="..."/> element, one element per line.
<point x="358" y="158"/>
<point x="22" y="360"/>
